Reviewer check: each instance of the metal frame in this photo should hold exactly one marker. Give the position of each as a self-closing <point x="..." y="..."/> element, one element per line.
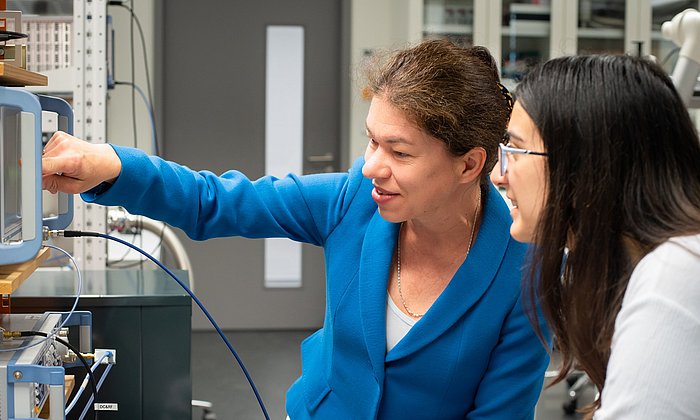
<point x="90" y="110"/>
<point x="33" y="377"/>
<point x="638" y="26"/>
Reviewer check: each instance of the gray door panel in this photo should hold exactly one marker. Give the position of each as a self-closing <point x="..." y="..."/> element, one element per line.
<point x="213" y="113"/>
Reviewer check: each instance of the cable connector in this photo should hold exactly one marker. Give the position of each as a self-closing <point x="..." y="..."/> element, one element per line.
<point x="12" y="334"/>
<point x="68" y="234"/>
<point x="16" y="334"/>
<point x="110" y="356"/>
<point x="48" y="233"/>
<point x="69" y="357"/>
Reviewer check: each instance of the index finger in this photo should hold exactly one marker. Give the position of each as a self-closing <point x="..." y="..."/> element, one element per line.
<point x="53" y="141"/>
<point x="50" y="166"/>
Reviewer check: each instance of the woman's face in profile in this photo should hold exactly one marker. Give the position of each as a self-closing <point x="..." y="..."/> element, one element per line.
<point x="414" y="175"/>
<point x="524" y="179"/>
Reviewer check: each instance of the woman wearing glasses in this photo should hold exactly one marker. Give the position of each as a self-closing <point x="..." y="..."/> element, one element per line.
<point x="424" y="317"/>
<point x="603" y="161"/>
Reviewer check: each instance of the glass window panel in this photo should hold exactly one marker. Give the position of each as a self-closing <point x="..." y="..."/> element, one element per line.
<point x="452" y="19"/>
<point x="525" y="36"/>
<point x="601" y="27"/>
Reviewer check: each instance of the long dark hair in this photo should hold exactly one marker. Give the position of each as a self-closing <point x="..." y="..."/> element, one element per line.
<point x="623" y="176"/>
<point x="451" y="92"/>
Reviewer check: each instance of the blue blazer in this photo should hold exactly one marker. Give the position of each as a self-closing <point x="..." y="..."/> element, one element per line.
<point x="473" y="355"/>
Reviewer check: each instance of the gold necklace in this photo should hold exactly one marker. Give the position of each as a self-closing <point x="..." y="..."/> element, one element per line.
<point x="398" y="259"/>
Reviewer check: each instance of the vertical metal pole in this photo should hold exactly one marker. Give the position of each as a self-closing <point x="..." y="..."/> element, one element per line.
<point x="638" y="26"/>
<point x="487" y="26"/>
<point x="57" y="405"/>
<point x="90" y="93"/>
<point x="564" y="23"/>
<point x="3" y="22"/>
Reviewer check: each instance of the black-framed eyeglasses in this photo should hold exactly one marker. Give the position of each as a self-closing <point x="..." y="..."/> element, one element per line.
<point x="504" y="150"/>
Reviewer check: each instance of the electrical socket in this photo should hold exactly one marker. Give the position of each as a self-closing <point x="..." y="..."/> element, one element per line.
<point x="110" y="360"/>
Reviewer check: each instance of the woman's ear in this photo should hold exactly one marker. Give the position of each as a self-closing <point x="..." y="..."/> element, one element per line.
<point x="472" y="163"/>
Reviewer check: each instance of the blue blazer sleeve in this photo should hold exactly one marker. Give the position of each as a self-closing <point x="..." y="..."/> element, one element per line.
<point x="204" y="205"/>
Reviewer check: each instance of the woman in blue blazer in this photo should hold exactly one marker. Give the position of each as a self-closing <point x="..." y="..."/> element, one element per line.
<point x="424" y="318"/>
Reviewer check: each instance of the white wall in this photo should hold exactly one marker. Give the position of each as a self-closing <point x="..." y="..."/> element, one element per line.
<point x="376" y="24"/>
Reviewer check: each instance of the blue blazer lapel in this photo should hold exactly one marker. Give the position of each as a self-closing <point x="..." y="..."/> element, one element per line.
<point x="375" y="263"/>
<point x="470" y="282"/>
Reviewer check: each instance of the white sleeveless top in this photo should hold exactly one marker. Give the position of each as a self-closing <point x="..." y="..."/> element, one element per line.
<point x="397" y="323"/>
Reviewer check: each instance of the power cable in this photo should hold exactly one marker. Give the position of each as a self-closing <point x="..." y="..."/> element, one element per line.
<point x="77" y="234"/>
<point x="149" y="91"/>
